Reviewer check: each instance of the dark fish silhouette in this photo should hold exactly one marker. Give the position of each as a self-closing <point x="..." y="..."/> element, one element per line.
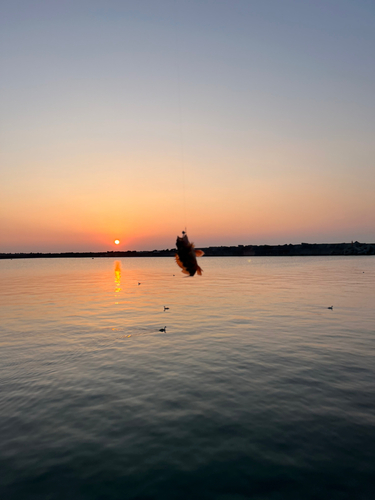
<point x="186" y="256"/>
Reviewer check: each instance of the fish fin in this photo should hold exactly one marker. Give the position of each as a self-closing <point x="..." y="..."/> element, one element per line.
<point x="179" y="262"/>
<point x="199" y="253"/>
<point x="199" y="271"/>
<point x="184" y="270"/>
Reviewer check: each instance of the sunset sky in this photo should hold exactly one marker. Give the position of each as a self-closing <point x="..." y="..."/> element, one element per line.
<point x="247" y="121"/>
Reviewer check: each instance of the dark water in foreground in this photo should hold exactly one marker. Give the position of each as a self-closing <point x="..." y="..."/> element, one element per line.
<point x="256" y="389"/>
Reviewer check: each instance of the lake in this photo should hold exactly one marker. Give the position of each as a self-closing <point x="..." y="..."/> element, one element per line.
<point x="254" y="390"/>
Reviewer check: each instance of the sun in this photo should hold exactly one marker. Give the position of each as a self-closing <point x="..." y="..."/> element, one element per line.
<point x="117" y="242"/>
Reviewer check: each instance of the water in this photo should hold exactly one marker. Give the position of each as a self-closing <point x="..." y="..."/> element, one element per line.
<point x="255" y="390"/>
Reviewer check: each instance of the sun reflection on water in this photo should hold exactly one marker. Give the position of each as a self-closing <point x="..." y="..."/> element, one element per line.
<point x="117" y="276"/>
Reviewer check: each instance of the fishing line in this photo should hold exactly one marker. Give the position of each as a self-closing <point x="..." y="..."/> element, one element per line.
<point x="182" y="149"/>
<point x="182" y="153"/>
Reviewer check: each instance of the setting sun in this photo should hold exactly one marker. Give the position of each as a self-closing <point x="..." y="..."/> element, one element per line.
<point x="117" y="242"/>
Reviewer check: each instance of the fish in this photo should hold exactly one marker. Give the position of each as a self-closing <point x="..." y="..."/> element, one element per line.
<point x="186" y="256"/>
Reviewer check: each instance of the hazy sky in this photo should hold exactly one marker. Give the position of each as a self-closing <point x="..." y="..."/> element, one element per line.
<point x="248" y="121"/>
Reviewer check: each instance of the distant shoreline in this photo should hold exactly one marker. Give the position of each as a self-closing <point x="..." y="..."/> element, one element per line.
<point x="288" y="250"/>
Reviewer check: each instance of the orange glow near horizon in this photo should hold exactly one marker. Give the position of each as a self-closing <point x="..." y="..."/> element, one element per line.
<point x="263" y="210"/>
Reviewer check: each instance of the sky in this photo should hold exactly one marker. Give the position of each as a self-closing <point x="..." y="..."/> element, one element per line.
<point x="243" y="121"/>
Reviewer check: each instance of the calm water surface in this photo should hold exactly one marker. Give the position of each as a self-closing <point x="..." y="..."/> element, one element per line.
<point x="255" y="390"/>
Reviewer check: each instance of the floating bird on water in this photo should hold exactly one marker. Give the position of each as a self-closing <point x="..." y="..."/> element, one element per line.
<point x="138" y="283"/>
<point x="163" y="329"/>
<point x="166" y="308"/>
<point x="330" y="307"/>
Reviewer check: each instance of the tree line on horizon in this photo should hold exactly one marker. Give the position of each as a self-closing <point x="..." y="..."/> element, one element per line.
<point x="289" y="249"/>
